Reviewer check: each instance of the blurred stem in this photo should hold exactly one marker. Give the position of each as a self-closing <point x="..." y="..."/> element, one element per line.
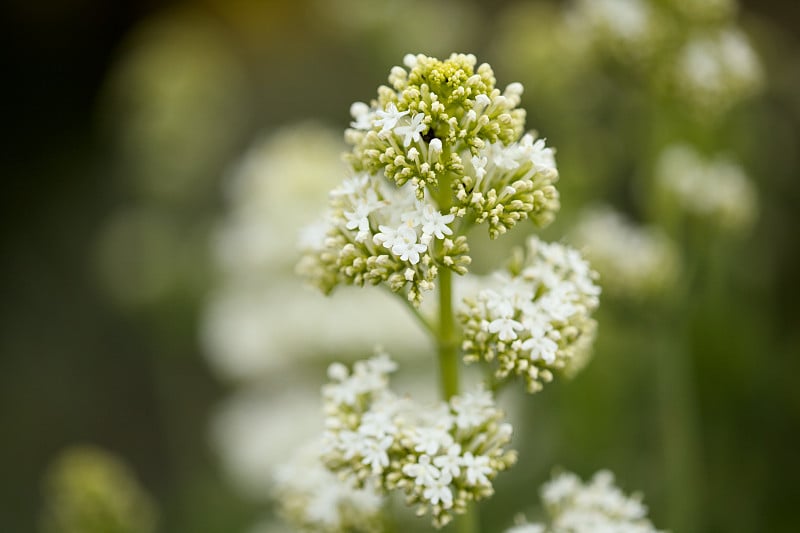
<point x="678" y="404"/>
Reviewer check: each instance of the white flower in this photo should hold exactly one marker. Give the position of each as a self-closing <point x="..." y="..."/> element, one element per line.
<point x="451" y="461"/>
<point x="634" y="261"/>
<point x="434" y="223"/>
<point x="471" y="408"/>
<point x="543" y="158"/>
<point x="430" y="440"/>
<point x="311" y="498"/>
<point x="373" y="451"/>
<point x="388" y="119"/>
<point x="505" y="328"/>
<point x="423" y="472"/>
<point x="595" y="506"/>
<point x="359" y="219"/>
<point x="362" y="115"/>
<point x="413" y="130"/>
<point x="542" y="347"/>
<point x="476" y="468"/>
<point x="479" y="163"/>
<point x="404" y="244"/>
<point x="438" y="491"/>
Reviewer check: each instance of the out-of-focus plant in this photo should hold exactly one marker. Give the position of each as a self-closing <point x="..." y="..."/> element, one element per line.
<point x="88" y="490"/>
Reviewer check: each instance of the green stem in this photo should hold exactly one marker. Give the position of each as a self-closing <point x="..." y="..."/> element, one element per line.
<point x="421" y="319"/>
<point x="447" y="340"/>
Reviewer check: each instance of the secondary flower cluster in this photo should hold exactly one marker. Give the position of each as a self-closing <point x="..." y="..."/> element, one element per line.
<point x="535" y="318"/>
<point x="633" y="261"/>
<point x="717" y="190"/>
<point x="441" y="457"/>
<point x="597" y="506"/>
<point x="376" y="232"/>
<point x="439" y="150"/>
<point x="313" y="499"/>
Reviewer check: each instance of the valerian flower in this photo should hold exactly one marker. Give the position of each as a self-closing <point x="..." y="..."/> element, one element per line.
<point x="535" y="318"/>
<point x="441" y="457"/>
<point x="439" y="150"/>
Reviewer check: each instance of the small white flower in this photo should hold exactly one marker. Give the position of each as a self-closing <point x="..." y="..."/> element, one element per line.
<point x="435" y="223"/>
<point x="413" y="130"/>
<point x="479" y="163"/>
<point x="451" y="461"/>
<point x="373" y="451"/>
<point x="472" y="409"/>
<point x="543" y="348"/>
<point x="422" y="472"/>
<point x="405" y="244"/>
<point x="439" y="492"/>
<point x="431" y="440"/>
<point x="381" y="364"/>
<point x="362" y="115"/>
<point x="338" y="372"/>
<point x="359" y="219"/>
<point x="476" y="468"/>
<point x="388" y="119"/>
<point x="506" y="328"/>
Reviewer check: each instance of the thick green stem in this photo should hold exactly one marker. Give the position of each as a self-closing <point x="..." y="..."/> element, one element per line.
<point x="447" y="341"/>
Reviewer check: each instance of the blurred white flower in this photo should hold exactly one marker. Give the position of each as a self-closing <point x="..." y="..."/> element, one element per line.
<point x="633" y="261"/>
<point x="714" y="70"/>
<point x="595" y="507"/>
<point x="717" y="190"/>
<point x="259" y="316"/>
<point x="257" y="429"/>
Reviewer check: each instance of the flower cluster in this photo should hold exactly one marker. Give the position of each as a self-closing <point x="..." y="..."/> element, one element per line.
<point x="376" y="232"/>
<point x="575" y="507"/>
<point x="633" y="261"/>
<point x="441" y="457"/>
<point x="717" y="190"/>
<point x="438" y="151"/>
<point x="535" y="318"/>
<point x="313" y="499"/>
<point x="715" y="69"/>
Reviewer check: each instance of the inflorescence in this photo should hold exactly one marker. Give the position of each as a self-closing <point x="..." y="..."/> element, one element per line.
<point x="534" y="319"/>
<point x="441" y="457"/>
<point x="439" y="150"/>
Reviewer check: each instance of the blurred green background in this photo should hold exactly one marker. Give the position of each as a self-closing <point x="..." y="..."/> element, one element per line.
<point x="120" y="121"/>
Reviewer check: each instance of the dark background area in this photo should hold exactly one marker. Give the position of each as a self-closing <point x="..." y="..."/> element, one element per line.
<point x="74" y="367"/>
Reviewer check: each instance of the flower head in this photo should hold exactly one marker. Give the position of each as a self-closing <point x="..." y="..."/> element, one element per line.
<point x="440" y="145"/>
<point x="441" y="457"/>
<point x="535" y="319"/>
